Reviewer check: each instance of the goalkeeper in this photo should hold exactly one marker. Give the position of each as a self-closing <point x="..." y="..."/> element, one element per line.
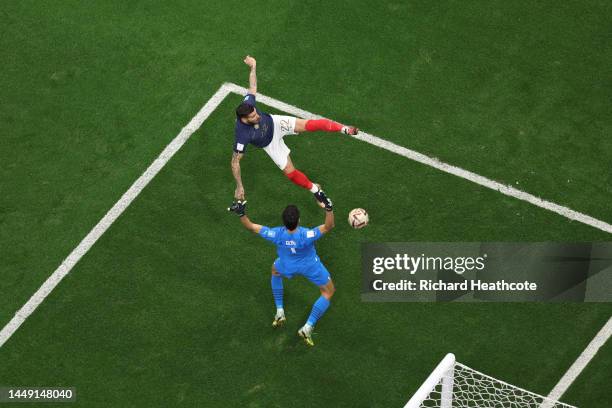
<point x="296" y="256"/>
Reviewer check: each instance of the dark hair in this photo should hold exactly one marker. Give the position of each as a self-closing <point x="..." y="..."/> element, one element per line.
<point x="244" y="109"/>
<point x="291" y="216"/>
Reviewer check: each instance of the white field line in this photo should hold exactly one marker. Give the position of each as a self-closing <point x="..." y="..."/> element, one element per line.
<point x="582" y="361"/>
<point x="90" y="239"/>
<point x="437" y="164"/>
<point x="566" y="212"/>
<point x="111" y="216"/>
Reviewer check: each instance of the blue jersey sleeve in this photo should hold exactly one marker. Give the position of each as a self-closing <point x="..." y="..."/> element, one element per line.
<point x="249" y="99"/>
<point x="269" y="234"/>
<point x="311" y="235"/>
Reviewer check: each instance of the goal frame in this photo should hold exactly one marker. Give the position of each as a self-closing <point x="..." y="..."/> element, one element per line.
<point x="444" y="374"/>
<point x="447" y="363"/>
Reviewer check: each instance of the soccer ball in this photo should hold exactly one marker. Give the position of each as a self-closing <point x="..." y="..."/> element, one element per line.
<point x="358" y="218"/>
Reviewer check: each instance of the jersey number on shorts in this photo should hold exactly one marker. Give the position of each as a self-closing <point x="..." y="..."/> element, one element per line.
<point x="285" y="125"/>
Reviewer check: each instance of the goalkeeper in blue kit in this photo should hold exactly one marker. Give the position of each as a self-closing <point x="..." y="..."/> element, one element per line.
<point x="296" y="256"/>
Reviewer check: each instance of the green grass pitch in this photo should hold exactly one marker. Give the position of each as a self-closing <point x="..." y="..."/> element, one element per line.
<point x="172" y="306"/>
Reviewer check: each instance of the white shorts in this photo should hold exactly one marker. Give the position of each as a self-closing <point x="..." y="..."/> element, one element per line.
<point x="277" y="149"/>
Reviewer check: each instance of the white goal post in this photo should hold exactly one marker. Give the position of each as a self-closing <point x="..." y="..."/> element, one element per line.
<point x="454" y="385"/>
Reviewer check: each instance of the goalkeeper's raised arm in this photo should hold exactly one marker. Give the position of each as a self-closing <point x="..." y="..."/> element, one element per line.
<point x="251" y="226"/>
<point x="239" y="208"/>
<point x="329" y="219"/>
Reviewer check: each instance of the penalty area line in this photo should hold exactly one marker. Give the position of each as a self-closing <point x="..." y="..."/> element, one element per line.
<point x="437" y="164"/>
<point x="111" y="216"/>
<point x="173" y="147"/>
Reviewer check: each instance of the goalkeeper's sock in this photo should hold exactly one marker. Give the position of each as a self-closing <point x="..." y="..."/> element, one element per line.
<point x="277" y="291"/>
<point x="299" y="178"/>
<point x="324" y="125"/>
<point x="318" y="309"/>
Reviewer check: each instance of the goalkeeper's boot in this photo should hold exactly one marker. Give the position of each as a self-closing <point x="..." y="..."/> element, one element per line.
<point x="350" y="130"/>
<point x="322" y="198"/>
<point x="279" y="319"/>
<point x="306" y="333"/>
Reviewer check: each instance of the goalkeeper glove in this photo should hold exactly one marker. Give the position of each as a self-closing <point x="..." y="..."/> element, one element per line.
<point x="329" y="206"/>
<point x="238" y="207"/>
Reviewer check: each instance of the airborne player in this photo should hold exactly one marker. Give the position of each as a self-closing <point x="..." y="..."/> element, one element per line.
<point x="267" y="132"/>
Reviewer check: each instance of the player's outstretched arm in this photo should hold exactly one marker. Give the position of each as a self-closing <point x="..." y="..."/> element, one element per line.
<point x="250" y="61"/>
<point x="329" y="221"/>
<point x="239" y="193"/>
<point x="239" y="208"/>
<point x="251" y="226"/>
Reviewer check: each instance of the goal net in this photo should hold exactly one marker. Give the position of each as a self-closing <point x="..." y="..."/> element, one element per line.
<point x="454" y="385"/>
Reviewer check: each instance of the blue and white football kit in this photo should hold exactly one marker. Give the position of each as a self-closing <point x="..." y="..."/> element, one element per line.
<point x="296" y="253"/>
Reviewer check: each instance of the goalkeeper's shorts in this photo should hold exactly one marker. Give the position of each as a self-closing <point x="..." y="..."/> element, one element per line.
<point x="316" y="272"/>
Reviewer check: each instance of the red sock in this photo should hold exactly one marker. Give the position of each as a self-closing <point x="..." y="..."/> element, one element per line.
<point x="300" y="179"/>
<point x="325" y="125"/>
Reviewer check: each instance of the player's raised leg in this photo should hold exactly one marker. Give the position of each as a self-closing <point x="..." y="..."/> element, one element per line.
<point x="300" y="179"/>
<point x="276" y="282"/>
<point x="323" y="125"/>
<point x="318" y="310"/>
